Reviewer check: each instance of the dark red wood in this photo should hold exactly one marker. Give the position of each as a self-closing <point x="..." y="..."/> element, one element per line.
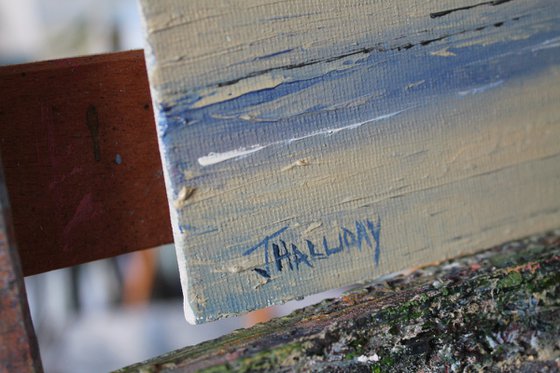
<point x="18" y="345"/>
<point x="82" y="166"/>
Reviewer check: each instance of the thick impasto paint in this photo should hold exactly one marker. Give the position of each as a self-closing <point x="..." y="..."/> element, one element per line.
<point x="310" y="145"/>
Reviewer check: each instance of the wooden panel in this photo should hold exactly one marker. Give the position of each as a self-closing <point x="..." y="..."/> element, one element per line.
<point x="81" y="160"/>
<point x="313" y="144"/>
<point x="19" y="351"/>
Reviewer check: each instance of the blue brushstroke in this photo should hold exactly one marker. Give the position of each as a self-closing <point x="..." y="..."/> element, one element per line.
<point x="264" y="242"/>
<point x="219" y="128"/>
<point x="375" y="230"/>
<point x="265" y="246"/>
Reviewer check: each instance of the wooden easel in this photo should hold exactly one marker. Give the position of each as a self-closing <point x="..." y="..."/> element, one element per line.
<point x="83" y="175"/>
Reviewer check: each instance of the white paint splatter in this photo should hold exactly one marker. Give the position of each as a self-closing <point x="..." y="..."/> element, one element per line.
<point x="214" y="157"/>
<point x="415" y="84"/>
<point x="362" y="359"/>
<point x="367" y="359"/>
<point x="480" y="89"/>
<point x="445" y="52"/>
<point x="491" y="342"/>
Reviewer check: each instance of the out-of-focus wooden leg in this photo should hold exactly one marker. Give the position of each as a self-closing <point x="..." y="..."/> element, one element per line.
<point x="19" y="351"/>
<point x="258" y="316"/>
<point x="138" y="279"/>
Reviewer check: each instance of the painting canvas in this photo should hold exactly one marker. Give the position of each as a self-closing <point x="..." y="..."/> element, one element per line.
<point x="309" y="145"/>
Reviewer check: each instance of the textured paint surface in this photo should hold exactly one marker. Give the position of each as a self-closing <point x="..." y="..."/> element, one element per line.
<point x="309" y="145"/>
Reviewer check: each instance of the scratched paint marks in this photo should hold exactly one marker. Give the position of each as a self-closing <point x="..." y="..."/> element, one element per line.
<point x="440" y="127"/>
<point x="485" y="3"/>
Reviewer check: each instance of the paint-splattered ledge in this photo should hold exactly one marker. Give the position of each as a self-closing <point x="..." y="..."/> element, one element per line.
<point x="497" y="310"/>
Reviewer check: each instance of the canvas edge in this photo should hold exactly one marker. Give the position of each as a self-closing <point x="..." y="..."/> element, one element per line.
<point x="178" y="243"/>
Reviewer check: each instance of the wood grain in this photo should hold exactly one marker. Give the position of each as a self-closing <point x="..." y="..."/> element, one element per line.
<point x="313" y="144"/>
<point x="81" y="161"/>
<point x="19" y="351"/>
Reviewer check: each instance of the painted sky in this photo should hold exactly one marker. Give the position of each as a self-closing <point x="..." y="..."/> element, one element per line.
<point x="376" y="81"/>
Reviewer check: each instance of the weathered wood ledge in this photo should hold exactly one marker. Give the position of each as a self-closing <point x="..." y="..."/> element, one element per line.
<point x="494" y="311"/>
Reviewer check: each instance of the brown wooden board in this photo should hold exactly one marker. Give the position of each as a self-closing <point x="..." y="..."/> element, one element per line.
<point x="82" y="167"/>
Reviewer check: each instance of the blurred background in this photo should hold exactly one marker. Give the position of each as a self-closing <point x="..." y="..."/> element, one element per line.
<point x="46" y="29"/>
<point x="106" y="314"/>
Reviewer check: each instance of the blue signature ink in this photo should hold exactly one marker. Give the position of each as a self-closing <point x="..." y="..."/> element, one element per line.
<point x="287" y="256"/>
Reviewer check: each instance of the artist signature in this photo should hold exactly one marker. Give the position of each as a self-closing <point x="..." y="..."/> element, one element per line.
<point x="280" y="255"/>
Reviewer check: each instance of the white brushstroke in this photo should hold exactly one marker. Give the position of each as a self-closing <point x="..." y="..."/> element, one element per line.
<point x="547" y="44"/>
<point x="480" y="89"/>
<point x="214" y="158"/>
<point x="331" y="131"/>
